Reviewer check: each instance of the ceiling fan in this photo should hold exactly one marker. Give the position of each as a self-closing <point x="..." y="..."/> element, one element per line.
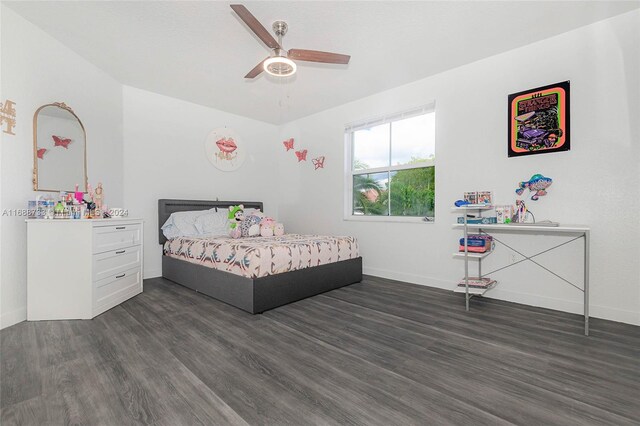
<point x="281" y="63"/>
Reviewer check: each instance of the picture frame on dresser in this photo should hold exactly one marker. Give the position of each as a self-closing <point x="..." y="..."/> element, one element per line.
<point x="80" y="268"/>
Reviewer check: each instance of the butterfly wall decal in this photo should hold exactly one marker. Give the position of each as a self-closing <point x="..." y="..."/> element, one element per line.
<point x="60" y="141"/>
<point x="302" y="155"/>
<point x="318" y="163"/>
<point x="288" y="144"/>
<point x="41" y="152"/>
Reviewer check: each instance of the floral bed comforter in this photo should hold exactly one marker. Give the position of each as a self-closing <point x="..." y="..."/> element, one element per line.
<point x="262" y="256"/>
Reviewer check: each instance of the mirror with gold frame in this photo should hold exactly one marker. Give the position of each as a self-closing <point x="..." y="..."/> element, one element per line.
<point x="59" y="149"/>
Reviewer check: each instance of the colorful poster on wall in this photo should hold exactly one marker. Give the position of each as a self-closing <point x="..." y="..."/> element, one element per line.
<point x="224" y="149"/>
<point x="539" y="120"/>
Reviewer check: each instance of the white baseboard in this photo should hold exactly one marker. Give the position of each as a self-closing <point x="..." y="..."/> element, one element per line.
<point x="7" y="319"/>
<point x="595" y="311"/>
<point x="152" y="273"/>
<point x="409" y="278"/>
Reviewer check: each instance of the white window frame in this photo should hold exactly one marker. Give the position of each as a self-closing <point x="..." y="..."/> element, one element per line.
<point x="349" y="172"/>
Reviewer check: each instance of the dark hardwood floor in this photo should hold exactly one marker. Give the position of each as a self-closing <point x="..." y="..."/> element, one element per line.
<point x="377" y="353"/>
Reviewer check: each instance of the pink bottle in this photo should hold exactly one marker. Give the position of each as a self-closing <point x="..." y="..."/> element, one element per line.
<point x="79" y="195"/>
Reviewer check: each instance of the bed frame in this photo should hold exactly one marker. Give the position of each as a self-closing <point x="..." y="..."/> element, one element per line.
<point x="252" y="295"/>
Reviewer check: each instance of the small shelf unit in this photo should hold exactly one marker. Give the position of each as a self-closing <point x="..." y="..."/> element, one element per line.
<point x="467" y="255"/>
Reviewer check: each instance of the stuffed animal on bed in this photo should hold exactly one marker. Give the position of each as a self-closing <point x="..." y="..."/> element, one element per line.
<point x="236" y="216"/>
<point x="278" y="229"/>
<point x="250" y="226"/>
<point x="266" y="227"/>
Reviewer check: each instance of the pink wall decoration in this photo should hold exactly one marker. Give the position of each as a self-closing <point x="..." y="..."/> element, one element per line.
<point x="288" y="144"/>
<point x="301" y="155"/>
<point x="225" y="149"/>
<point x="318" y="163"/>
<point x="61" y="141"/>
<point x="41" y="152"/>
<point x="8" y="116"/>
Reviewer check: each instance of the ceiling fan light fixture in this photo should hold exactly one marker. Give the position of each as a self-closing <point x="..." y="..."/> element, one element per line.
<point x="280" y="66"/>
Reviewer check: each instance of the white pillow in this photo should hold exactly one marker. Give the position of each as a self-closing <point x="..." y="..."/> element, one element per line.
<point x="182" y="224"/>
<point x="213" y="223"/>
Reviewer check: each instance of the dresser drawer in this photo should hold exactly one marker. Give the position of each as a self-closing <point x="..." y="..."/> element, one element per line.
<point x="113" y="237"/>
<point x="116" y="261"/>
<point x="115" y="289"/>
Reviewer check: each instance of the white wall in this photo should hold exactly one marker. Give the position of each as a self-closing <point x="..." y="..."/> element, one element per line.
<point x="165" y="158"/>
<point x="36" y="70"/>
<point x="596" y="183"/>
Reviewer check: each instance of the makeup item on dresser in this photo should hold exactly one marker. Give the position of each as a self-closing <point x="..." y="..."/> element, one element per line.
<point x="58" y="210"/>
<point x="98" y="198"/>
<point x="79" y="195"/>
<point x="91" y="210"/>
<point x="48" y="209"/>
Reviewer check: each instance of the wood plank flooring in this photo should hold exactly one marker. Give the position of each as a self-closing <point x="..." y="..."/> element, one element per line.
<point x="378" y="352"/>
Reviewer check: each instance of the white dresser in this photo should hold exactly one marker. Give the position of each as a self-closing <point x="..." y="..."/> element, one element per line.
<point x="78" y="269"/>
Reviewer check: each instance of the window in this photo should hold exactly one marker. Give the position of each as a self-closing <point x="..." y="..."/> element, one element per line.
<point x="391" y="166"/>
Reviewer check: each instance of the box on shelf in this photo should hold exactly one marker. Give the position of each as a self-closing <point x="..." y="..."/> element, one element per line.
<point x="503" y="213"/>
<point x="476" y="244"/>
<point x="479" y="220"/>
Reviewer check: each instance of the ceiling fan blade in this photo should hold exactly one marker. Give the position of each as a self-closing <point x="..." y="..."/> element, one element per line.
<point x="255" y="26"/>
<point x="318" y="56"/>
<point x="257" y="69"/>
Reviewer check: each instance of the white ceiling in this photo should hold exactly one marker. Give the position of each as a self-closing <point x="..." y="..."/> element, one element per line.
<point x="200" y="51"/>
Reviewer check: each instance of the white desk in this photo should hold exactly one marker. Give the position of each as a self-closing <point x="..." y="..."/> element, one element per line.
<point x="581" y="232"/>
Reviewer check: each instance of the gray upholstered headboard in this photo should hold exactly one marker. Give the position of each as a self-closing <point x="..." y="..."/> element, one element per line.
<point x="166" y="207"/>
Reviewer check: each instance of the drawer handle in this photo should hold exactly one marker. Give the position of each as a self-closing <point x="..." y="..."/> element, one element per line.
<point x="121" y="227"/>
<point x="120" y="276"/>
<point x="120" y="252"/>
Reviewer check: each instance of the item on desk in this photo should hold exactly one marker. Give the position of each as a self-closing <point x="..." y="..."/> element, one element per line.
<point x="504" y="213"/>
<point x="477" y="243"/>
<point x="471" y="197"/>
<point x="537" y="184"/>
<point x="473" y="249"/>
<point x="478" y="221"/>
<point x="475" y="282"/>
<point x="521" y="213"/>
<point x="477" y="239"/>
<point x="542" y="223"/>
<point x="472" y="242"/>
<point x="484" y="197"/>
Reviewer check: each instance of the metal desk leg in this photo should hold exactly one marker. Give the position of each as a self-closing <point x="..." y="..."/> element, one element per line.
<point x="466" y="264"/>
<point x="586" y="282"/>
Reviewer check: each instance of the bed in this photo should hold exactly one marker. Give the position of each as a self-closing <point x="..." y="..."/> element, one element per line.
<point x="271" y="277"/>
